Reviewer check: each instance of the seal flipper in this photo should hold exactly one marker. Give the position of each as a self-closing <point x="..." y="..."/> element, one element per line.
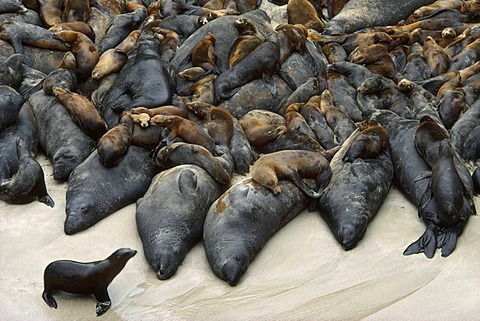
<point x="49" y="300"/>
<point x="269" y="82"/>
<point x="427" y="243"/>
<point x="295" y="178"/>
<point x="103" y="301"/>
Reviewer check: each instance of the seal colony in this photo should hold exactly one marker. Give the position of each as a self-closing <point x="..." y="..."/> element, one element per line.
<point x="162" y="98"/>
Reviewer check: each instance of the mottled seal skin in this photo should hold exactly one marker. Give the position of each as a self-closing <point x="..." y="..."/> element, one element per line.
<point x="292" y="165"/>
<point x="356" y="191"/>
<point x="170" y="215"/>
<point x="64" y="142"/>
<point x="28" y="183"/>
<point x="115" y="188"/>
<point x="242" y="220"/>
<point x="10" y="103"/>
<point x="85" y="278"/>
<point x="130" y="88"/>
<point x="74" y="10"/>
<point x="184" y="153"/>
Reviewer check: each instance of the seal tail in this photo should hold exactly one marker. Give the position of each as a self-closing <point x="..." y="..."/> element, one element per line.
<point x="427" y="243"/>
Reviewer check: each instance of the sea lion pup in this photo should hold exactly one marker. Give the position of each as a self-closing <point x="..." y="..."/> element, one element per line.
<point x="435" y="56"/>
<point x="217" y="121"/>
<point x="377" y="60"/>
<point x="292" y="165"/>
<point x="304" y="13"/>
<point x="115" y="143"/>
<point x="28" y="183"/>
<point x="188" y="130"/>
<point x="248" y="39"/>
<point x="178" y="109"/>
<point x="63" y="77"/>
<point x="262" y="127"/>
<point x="185" y="153"/>
<point x="369" y="143"/>
<point x="170" y="43"/>
<point x="78" y="26"/>
<point x="203" y="55"/>
<point x="340" y="123"/>
<point x="122" y="25"/>
<point x="84" y="50"/>
<point x="82" y="111"/>
<point x="295" y="121"/>
<point x="85" y="278"/>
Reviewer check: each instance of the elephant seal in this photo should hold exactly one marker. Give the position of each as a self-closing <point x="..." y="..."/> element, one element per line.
<point x="64" y="142"/>
<point x="292" y="165"/>
<point x="356" y="191"/>
<point x="116" y="187"/>
<point x="115" y="143"/>
<point x="242" y="220"/>
<point x="170" y="215"/>
<point x="62" y="77"/>
<point x="28" y="183"/>
<point x="82" y="111"/>
<point x="85" y="278"/>
<point x="10" y="103"/>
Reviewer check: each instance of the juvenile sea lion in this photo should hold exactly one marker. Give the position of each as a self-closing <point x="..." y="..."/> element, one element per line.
<point x="170" y="43"/>
<point x="203" y="55"/>
<point x="82" y="111"/>
<point x="78" y="26"/>
<point x="115" y="143"/>
<point x="51" y="11"/>
<point x="293" y="166"/>
<point x="467" y="57"/>
<point x="262" y="126"/>
<point x="341" y="125"/>
<point x="170" y="215"/>
<point x="435" y="56"/>
<point x="62" y="77"/>
<point x="192" y="73"/>
<point x="10" y="103"/>
<point x="217" y="121"/>
<point x="304" y="13"/>
<point x="116" y="187"/>
<point x="377" y="60"/>
<point x="344" y="95"/>
<point x="249" y="38"/>
<point x="188" y="130"/>
<point x="294" y="121"/>
<point x="240" y="149"/>
<point x="451" y="106"/>
<point x="313" y="86"/>
<point x="368" y="144"/>
<point x="84" y="49"/>
<point x="237" y="225"/>
<point x="85" y="278"/>
<point x="28" y="183"/>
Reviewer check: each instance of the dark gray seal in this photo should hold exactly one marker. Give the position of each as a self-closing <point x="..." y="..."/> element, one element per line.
<point x="170" y="215"/>
<point x="10" y="103"/>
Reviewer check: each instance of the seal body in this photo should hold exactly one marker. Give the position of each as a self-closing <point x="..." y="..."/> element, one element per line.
<point x="115" y="143"/>
<point x="10" y="103"/>
<point x="170" y="215"/>
<point x="85" y="278"/>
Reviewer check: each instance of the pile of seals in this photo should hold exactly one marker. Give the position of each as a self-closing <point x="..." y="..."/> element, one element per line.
<point x="160" y="103"/>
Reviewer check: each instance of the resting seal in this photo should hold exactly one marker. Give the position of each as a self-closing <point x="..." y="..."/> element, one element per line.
<point x="85" y="278"/>
<point x="249" y="38"/>
<point x="115" y="143"/>
<point x="10" y="103"/>
<point x="62" y="77"/>
<point x="368" y="144"/>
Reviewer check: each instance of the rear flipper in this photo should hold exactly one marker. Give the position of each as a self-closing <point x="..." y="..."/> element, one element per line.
<point x="298" y="181"/>
<point x="447" y="240"/>
<point x="49" y="300"/>
<point x="427" y="243"/>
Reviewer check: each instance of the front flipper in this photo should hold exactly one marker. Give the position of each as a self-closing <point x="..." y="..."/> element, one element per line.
<point x="270" y="84"/>
<point x="427" y="243"/>
<point x="295" y="178"/>
<point x="103" y="301"/>
<point x="49" y="300"/>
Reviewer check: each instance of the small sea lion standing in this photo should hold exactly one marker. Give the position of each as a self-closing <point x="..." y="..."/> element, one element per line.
<point x="304" y="13"/>
<point x="249" y="38"/>
<point x="293" y="165"/>
<point x="62" y="77"/>
<point x="115" y="143"/>
<point x="85" y="278"/>
<point x="170" y="215"/>
<point x="82" y="111"/>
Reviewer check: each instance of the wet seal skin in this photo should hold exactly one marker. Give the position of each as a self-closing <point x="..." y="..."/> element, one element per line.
<point x="116" y="187"/>
<point x="115" y="143"/>
<point x="242" y="220"/>
<point x="170" y="215"/>
<point x="85" y="278"/>
<point x="28" y="183"/>
<point x="10" y="104"/>
<point x="62" y="77"/>
<point x="356" y="191"/>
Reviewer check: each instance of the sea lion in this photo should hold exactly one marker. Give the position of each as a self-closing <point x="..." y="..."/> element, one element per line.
<point x="356" y="191"/>
<point x="82" y="111"/>
<point x="84" y="49"/>
<point x="203" y="90"/>
<point x="340" y="123"/>
<point x="295" y="122"/>
<point x="313" y="86"/>
<point x="242" y="220"/>
<point x="28" y="183"/>
<point x="416" y="67"/>
<point x="51" y="11"/>
<point x="334" y="52"/>
<point x="85" y="278"/>
<point x="344" y="95"/>
<point x="292" y="165"/>
<point x="192" y="73"/>
<point x="63" y="142"/>
<point x="12" y="6"/>
<point x="217" y="121"/>
<point x="467" y="57"/>
<point x="203" y="55"/>
<point x="435" y="7"/>
<point x="183" y="25"/>
<point x="10" y="103"/>
<point x="116" y="187"/>
<point x="377" y="60"/>
<point x="170" y="43"/>
<point x="78" y="26"/>
<point x="304" y="13"/>
<point x="188" y="130"/>
<point x="451" y="106"/>
<point x="249" y="38"/>
<point x="435" y="56"/>
<point x="147" y="137"/>
<point x="62" y="77"/>
<point x="471" y="146"/>
<point x="115" y="143"/>
<point x="9" y="68"/>
<point x="368" y="144"/>
<point x="261" y="126"/>
<point x="170" y="215"/>
<point x="76" y="11"/>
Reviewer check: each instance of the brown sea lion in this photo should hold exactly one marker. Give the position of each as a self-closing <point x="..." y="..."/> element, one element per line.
<point x="188" y="130"/>
<point x="292" y="165"/>
<point x="340" y="123"/>
<point x="111" y="61"/>
<point x="437" y="6"/>
<point x="170" y="43"/>
<point x="192" y="73"/>
<point x="143" y="119"/>
<point x="82" y="111"/>
<point x="377" y="60"/>
<point x="78" y="26"/>
<point x="51" y="11"/>
<point x="178" y="110"/>
<point x="203" y="90"/>
<point x="74" y="10"/>
<point x="369" y="143"/>
<point x="203" y="55"/>
<point x="295" y="121"/>
<point x="217" y="121"/>
<point x="84" y="50"/>
<point x="262" y="127"/>
<point x="435" y="56"/>
<point x="115" y="143"/>
<point x="248" y="39"/>
<point x="304" y="13"/>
